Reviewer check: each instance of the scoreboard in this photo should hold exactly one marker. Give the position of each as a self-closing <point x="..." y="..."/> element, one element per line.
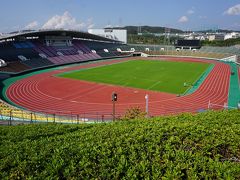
<point x="196" y="44"/>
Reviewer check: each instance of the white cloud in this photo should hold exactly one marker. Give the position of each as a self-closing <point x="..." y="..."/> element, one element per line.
<point x="202" y="17"/>
<point x="66" y="21"/>
<point x="32" y="25"/>
<point x="236" y="25"/>
<point x="183" y="19"/>
<point x="108" y="26"/>
<point x="235" y="10"/>
<point x="191" y="11"/>
<point x="89" y="23"/>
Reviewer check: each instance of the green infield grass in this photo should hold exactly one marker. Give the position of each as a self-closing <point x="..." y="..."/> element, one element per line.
<point x="164" y="76"/>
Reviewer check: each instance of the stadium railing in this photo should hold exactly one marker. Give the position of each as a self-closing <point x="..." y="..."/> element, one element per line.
<point x="11" y="115"/>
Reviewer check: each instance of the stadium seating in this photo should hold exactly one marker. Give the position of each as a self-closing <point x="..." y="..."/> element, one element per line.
<point x="37" y="62"/>
<point x="110" y="47"/>
<point x="32" y="54"/>
<point x="36" y="53"/>
<point x="14" y="66"/>
<point x="205" y="51"/>
<point x="10" y="53"/>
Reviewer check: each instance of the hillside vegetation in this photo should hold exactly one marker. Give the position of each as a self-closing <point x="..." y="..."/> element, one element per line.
<point x="222" y="43"/>
<point x="198" y="146"/>
<point x="148" y="29"/>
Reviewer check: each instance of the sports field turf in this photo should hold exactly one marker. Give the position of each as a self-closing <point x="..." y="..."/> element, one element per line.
<point x="164" y="76"/>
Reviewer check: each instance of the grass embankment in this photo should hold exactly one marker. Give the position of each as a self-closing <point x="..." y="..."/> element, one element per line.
<point x="186" y="146"/>
<point x="164" y="76"/>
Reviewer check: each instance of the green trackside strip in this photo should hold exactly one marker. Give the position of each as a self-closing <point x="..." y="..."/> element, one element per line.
<point x="234" y="89"/>
<point x="199" y="81"/>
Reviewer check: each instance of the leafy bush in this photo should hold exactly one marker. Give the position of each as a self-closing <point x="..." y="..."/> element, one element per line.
<point x="134" y="113"/>
<point x="202" y="146"/>
<point x="223" y="43"/>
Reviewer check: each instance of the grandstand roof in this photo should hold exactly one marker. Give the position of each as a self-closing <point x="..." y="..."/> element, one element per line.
<point x="60" y="32"/>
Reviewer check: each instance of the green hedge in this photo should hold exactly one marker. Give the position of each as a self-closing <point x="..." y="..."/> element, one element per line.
<point x="205" y="145"/>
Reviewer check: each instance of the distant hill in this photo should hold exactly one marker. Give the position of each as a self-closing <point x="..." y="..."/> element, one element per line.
<point x="159" y="29"/>
<point x="147" y="29"/>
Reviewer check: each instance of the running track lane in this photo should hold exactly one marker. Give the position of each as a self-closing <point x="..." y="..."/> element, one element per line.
<point x="47" y="93"/>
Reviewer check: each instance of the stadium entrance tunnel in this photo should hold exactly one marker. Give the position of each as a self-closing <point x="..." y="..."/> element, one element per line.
<point x="137" y="54"/>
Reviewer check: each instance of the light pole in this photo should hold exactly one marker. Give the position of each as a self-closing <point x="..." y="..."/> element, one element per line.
<point x="147" y="99"/>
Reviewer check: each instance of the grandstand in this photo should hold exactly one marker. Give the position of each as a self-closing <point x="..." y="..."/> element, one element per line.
<point x="204" y="51"/>
<point x="39" y="49"/>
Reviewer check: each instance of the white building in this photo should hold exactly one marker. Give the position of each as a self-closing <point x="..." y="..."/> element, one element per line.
<point x="215" y="37"/>
<point x="200" y="37"/>
<point x="232" y="35"/>
<point x="116" y="34"/>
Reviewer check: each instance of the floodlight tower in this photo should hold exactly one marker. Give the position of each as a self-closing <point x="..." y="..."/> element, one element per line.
<point x="139" y="29"/>
<point x="167" y="36"/>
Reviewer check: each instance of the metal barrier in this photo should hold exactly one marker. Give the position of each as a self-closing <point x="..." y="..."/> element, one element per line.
<point x="212" y="106"/>
<point x="16" y="116"/>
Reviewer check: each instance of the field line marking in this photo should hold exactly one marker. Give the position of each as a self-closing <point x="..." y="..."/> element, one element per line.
<point x="154" y="84"/>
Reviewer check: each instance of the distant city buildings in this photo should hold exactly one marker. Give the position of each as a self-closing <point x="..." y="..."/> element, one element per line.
<point x="115" y="34"/>
<point x="211" y="36"/>
<point x="232" y="35"/>
<point x="216" y="37"/>
<point x="199" y="35"/>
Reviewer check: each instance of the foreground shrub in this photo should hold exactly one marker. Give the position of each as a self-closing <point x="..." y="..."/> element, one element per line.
<point x="134" y="113"/>
<point x="203" y="146"/>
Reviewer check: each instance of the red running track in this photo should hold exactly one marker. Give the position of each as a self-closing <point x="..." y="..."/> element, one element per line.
<point x="47" y="93"/>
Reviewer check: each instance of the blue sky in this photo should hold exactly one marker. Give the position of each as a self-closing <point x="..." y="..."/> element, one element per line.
<point x="83" y="14"/>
